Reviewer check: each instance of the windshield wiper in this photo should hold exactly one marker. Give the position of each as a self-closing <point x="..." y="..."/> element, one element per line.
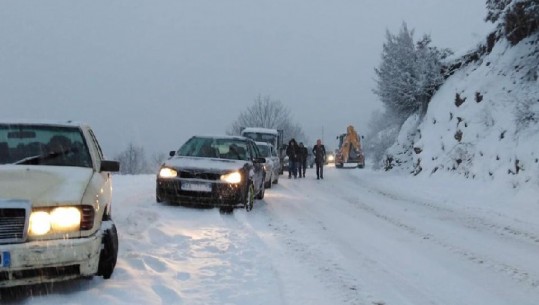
<point x="37" y="159"/>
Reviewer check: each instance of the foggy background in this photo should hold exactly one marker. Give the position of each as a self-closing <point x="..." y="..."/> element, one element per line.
<point x="156" y="72"/>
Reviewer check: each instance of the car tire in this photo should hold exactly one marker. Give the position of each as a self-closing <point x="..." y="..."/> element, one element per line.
<point x="261" y="191"/>
<point x="276" y="181"/>
<point x="109" y="253"/>
<point x="249" y="198"/>
<point x="338" y="165"/>
<point x="226" y="210"/>
<point x="270" y="181"/>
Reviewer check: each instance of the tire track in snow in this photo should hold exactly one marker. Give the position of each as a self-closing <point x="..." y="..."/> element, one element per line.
<point x="514" y="273"/>
<point x="344" y="284"/>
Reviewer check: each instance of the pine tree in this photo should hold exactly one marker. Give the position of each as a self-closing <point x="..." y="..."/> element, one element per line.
<point x="409" y="73"/>
<point x="395" y="83"/>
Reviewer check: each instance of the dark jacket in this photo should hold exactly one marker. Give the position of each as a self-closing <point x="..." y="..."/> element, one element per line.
<point x="302" y="153"/>
<point x="292" y="150"/>
<point x="319" y="153"/>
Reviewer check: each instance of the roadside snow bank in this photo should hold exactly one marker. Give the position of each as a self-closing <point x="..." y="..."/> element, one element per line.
<point x="483" y="123"/>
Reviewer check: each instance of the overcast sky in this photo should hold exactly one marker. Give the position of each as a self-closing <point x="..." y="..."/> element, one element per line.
<point x="156" y="72"/>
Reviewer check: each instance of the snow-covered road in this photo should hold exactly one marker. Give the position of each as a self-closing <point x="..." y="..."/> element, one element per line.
<point x="357" y="237"/>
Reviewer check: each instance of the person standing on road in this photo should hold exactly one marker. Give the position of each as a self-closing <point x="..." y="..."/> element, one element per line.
<point x="319" y="152"/>
<point x="292" y="153"/>
<point x="302" y="159"/>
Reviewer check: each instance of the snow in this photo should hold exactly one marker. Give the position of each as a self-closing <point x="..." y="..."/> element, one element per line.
<point x="49" y="183"/>
<point x="498" y="121"/>
<point x="260" y="130"/>
<point x="356" y="237"/>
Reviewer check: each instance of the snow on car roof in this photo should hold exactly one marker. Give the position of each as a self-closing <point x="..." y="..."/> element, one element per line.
<point x="221" y="137"/>
<point x="68" y="123"/>
<point x="260" y="130"/>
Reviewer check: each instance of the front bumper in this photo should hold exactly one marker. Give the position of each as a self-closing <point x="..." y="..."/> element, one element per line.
<point x="360" y="159"/>
<point x="221" y="194"/>
<point x="49" y="261"/>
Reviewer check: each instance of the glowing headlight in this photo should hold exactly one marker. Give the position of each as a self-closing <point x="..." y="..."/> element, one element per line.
<point x="234" y="177"/>
<point x="40" y="223"/>
<point x="331" y="158"/>
<point x="58" y="220"/>
<point x="167" y="173"/>
<point x="65" y="219"/>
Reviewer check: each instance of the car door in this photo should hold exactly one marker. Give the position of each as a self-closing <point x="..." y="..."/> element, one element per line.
<point x="258" y="168"/>
<point x="274" y="161"/>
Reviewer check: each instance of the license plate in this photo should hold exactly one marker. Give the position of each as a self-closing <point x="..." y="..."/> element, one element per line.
<point x="196" y="187"/>
<point x="5" y="259"/>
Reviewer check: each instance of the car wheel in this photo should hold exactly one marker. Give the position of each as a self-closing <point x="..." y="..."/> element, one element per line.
<point x="276" y="181"/>
<point x="268" y="184"/>
<point x="249" y="197"/>
<point x="109" y="253"/>
<point x="261" y="191"/>
<point x="338" y="165"/>
<point x="226" y="210"/>
<point x="157" y="198"/>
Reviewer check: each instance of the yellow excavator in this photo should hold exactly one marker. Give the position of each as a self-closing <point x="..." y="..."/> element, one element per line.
<point x="349" y="150"/>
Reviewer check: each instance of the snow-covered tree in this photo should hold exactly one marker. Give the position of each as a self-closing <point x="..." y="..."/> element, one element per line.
<point x="495" y="9"/>
<point x="132" y="160"/>
<point x="428" y="67"/>
<point x="407" y="78"/>
<point x="268" y="113"/>
<point x="515" y="19"/>
<point x="409" y="73"/>
<point x="395" y="84"/>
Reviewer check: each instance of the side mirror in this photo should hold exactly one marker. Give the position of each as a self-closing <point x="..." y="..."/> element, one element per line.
<point x="172" y="153"/>
<point x="259" y="160"/>
<point x="109" y="166"/>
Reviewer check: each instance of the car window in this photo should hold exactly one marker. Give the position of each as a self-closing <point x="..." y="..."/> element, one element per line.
<point x="255" y="152"/>
<point x="43" y="145"/>
<point x="265" y="150"/>
<point x="221" y="148"/>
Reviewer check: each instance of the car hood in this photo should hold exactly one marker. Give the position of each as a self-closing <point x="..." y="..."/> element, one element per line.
<point x="44" y="185"/>
<point x="205" y="164"/>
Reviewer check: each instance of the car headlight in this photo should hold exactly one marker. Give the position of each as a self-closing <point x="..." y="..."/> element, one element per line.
<point x="57" y="220"/>
<point x="331" y="157"/>
<point x="234" y="177"/>
<point x="166" y="172"/>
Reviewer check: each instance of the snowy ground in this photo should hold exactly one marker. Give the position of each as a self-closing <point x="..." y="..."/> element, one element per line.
<point x="357" y="237"/>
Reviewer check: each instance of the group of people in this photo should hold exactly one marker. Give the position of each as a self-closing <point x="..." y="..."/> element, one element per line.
<point x="297" y="159"/>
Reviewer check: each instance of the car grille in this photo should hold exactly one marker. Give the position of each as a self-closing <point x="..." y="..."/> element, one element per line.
<point x="12" y="224"/>
<point x="199" y="175"/>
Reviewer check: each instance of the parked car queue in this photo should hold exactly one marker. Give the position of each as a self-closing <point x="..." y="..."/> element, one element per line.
<point x="224" y="172"/>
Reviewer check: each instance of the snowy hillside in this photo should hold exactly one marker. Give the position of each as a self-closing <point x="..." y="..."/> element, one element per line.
<point x="483" y="123"/>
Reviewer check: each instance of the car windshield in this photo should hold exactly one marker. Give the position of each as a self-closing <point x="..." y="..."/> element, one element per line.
<point x="219" y="148"/>
<point x="264" y="150"/>
<point x="43" y="145"/>
<point x="261" y="137"/>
